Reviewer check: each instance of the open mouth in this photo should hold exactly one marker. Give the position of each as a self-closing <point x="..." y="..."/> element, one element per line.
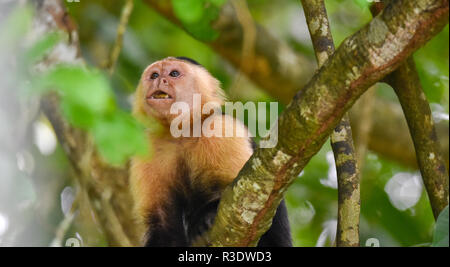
<point x="160" y="95"/>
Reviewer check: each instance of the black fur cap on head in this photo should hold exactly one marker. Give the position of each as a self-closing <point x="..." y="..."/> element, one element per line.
<point x="190" y="60"/>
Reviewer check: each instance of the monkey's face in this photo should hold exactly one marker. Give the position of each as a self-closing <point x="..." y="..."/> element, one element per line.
<point x="166" y="82"/>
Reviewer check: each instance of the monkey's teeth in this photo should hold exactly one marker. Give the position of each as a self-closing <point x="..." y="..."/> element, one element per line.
<point x="160" y="96"/>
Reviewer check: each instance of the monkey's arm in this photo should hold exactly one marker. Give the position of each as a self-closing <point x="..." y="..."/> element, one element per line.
<point x="166" y="227"/>
<point x="223" y="158"/>
<point x="279" y="234"/>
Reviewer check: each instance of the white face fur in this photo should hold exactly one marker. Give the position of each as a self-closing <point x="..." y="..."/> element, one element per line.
<point x="172" y="80"/>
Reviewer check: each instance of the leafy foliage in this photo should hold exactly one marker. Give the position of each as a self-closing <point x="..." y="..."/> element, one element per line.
<point x="87" y="102"/>
<point x="198" y="20"/>
<point x="364" y="3"/>
<point x="440" y="237"/>
<point x="87" y="99"/>
<point x="432" y="63"/>
<point x="40" y="48"/>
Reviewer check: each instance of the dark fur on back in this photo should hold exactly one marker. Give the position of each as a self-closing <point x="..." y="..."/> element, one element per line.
<point x="192" y="213"/>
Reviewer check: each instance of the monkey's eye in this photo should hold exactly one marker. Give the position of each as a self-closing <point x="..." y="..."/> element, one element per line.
<point x="174" y="73"/>
<point x="154" y="75"/>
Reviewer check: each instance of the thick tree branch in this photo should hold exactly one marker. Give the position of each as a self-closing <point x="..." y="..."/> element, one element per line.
<point x="106" y="186"/>
<point x="348" y="175"/>
<point x="248" y="205"/>
<point x="281" y="77"/>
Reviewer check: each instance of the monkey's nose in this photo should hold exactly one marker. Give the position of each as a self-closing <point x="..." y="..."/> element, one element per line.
<point x="164" y="80"/>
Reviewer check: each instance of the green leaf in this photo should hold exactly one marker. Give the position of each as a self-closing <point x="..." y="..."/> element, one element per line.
<point x="202" y="30"/>
<point x="197" y="16"/>
<point x="440" y="237"/>
<point x="80" y="87"/>
<point x="87" y="103"/>
<point x="364" y="3"/>
<point x="188" y="11"/>
<point x="118" y="137"/>
<point x="77" y="115"/>
<point x="432" y="62"/>
<point x="41" y="47"/>
<point x="218" y="3"/>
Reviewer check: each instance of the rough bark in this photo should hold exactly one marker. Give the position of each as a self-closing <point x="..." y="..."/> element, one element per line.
<point x="281" y="77"/>
<point x="406" y="84"/>
<point x="249" y="203"/>
<point x="348" y="175"/>
<point x="106" y="186"/>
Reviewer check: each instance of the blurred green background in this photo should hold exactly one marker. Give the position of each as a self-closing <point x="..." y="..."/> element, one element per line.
<point x="36" y="186"/>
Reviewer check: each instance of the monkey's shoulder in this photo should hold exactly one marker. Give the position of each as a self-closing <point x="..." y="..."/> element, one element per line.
<point x="217" y="159"/>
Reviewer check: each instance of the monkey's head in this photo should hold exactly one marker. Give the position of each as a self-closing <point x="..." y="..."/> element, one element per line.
<point x="172" y="80"/>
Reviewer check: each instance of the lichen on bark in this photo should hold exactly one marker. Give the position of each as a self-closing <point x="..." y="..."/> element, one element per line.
<point x="341" y="138"/>
<point x="406" y="84"/>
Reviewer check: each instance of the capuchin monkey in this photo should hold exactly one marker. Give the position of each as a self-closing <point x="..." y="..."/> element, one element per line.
<point x="177" y="190"/>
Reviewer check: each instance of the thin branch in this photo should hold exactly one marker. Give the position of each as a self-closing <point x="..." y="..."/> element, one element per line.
<point x="95" y="177"/>
<point x="66" y="223"/>
<point x="341" y="138"/>
<point x="115" y="52"/>
<point x="248" y="41"/>
<point x="406" y="83"/>
<point x="249" y="35"/>
<point x="112" y="219"/>
<point x="249" y="203"/>
<point x="62" y="229"/>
